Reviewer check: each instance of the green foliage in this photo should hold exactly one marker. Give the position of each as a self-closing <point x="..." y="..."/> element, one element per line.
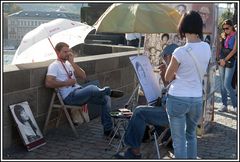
<point x="10" y="8"/>
<point x="225" y="15"/>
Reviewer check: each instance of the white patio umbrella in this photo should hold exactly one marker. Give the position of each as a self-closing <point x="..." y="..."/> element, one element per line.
<point x="38" y="44"/>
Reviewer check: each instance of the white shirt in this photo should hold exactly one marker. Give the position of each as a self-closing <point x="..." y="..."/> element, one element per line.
<point x="57" y="70"/>
<point x="132" y="36"/>
<point x="187" y="82"/>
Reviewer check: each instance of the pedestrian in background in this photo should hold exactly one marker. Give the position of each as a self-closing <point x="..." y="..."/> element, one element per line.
<point x="184" y="100"/>
<point x="133" y="39"/>
<point x="227" y="65"/>
<point x="234" y="80"/>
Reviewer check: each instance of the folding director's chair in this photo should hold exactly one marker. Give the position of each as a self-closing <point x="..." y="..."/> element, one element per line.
<point x="57" y="102"/>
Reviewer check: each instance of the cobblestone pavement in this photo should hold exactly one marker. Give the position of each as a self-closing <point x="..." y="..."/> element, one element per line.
<point x="219" y="142"/>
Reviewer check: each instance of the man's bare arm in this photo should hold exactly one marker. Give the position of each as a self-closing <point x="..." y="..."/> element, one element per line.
<point x="51" y="82"/>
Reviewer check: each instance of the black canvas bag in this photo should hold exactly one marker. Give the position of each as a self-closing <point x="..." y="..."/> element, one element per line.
<point x="230" y="62"/>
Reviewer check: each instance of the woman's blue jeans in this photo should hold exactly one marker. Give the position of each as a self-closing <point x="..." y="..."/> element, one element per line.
<point x="142" y="116"/>
<point x="226" y="75"/>
<point x="184" y="114"/>
<point x="93" y="95"/>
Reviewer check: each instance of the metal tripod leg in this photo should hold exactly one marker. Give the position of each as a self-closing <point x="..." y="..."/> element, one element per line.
<point x="156" y="144"/>
<point x="115" y="132"/>
<point x="133" y="97"/>
<point x="121" y="124"/>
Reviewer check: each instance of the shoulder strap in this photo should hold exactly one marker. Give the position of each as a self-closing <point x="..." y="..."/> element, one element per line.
<point x="65" y="69"/>
<point x="197" y="65"/>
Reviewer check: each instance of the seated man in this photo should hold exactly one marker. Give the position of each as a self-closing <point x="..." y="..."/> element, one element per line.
<point x="61" y="74"/>
<point x="143" y="115"/>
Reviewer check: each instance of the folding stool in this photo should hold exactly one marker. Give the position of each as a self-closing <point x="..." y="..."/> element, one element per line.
<point x="120" y="127"/>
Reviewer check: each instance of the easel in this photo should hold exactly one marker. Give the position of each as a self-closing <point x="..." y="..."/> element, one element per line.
<point x="134" y="96"/>
<point x="151" y="89"/>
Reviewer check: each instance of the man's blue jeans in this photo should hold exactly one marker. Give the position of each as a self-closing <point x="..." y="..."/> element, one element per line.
<point x="226" y="75"/>
<point x="93" y="94"/>
<point x="142" y="116"/>
<point x="184" y="114"/>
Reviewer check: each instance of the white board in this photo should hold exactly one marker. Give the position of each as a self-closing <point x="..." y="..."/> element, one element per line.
<point x="147" y="78"/>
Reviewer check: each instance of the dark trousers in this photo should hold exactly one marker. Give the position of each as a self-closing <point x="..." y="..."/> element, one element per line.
<point x="234" y="79"/>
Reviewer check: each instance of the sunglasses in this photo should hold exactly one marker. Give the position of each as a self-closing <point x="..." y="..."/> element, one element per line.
<point x="225" y="28"/>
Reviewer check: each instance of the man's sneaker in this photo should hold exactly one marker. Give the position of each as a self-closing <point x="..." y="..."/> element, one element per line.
<point x="234" y="110"/>
<point x="116" y="93"/>
<point x="223" y="109"/>
<point x="127" y="155"/>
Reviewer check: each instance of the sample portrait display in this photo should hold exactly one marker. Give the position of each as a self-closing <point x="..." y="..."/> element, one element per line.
<point x="158" y="45"/>
<point x="146" y="78"/>
<point x="27" y="126"/>
<point x="206" y="12"/>
<point x="155" y="44"/>
<point x="181" y="8"/>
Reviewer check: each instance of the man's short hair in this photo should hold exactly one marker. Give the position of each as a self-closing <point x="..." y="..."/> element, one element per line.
<point x="60" y="45"/>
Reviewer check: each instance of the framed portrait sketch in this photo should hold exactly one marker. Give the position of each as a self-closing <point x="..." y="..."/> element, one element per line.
<point x="27" y="126"/>
<point x="146" y="78"/>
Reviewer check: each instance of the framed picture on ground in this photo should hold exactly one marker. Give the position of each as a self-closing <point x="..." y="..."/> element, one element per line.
<point x="27" y="126"/>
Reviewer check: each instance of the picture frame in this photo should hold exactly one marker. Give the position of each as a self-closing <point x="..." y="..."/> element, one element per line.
<point x="27" y="125"/>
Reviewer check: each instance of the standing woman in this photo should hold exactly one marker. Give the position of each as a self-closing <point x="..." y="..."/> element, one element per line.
<point x="184" y="102"/>
<point x="226" y="71"/>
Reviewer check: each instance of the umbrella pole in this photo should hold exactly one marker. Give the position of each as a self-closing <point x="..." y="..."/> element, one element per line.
<point x="52" y="46"/>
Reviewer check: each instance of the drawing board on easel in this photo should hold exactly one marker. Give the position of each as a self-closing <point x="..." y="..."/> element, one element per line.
<point x="146" y="77"/>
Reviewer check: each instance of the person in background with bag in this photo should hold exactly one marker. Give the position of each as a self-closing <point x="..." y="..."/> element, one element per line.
<point x="227" y="65"/>
<point x="61" y="74"/>
<point x="184" y="102"/>
<point x="234" y="80"/>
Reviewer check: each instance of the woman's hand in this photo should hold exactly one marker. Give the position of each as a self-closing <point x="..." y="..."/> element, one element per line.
<point x="222" y="62"/>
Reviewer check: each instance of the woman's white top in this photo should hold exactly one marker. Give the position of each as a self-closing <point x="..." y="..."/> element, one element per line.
<point x="187" y="82"/>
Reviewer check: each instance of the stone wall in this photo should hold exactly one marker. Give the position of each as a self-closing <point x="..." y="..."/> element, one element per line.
<point x="96" y="49"/>
<point x="25" y="82"/>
